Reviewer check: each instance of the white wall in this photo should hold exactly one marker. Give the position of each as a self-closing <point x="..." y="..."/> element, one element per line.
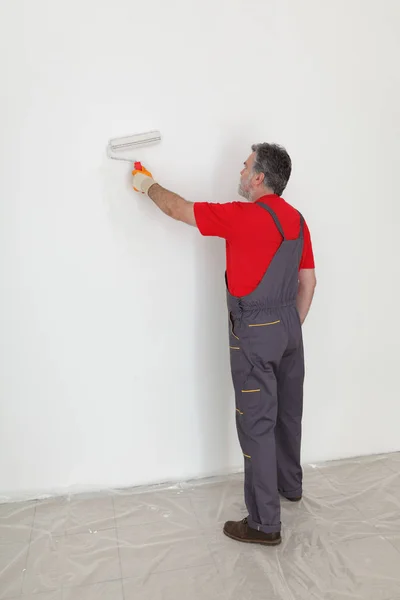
<point x="114" y="359"/>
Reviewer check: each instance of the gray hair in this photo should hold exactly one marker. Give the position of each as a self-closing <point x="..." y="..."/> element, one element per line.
<point x="275" y="163"/>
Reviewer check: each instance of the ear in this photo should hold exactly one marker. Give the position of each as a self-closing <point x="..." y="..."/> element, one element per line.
<point x="259" y="178"/>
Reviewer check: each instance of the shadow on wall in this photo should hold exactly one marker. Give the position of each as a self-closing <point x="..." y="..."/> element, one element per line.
<point x="215" y="397"/>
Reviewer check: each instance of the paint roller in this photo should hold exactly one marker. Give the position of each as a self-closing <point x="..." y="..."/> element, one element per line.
<point x="117" y="146"/>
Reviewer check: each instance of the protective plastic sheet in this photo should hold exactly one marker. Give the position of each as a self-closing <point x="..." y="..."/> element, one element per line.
<point x="341" y="542"/>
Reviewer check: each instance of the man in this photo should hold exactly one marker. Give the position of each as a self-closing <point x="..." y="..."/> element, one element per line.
<point x="270" y="280"/>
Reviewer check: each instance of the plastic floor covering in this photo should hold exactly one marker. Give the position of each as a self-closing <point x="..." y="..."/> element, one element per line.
<point x="166" y="542"/>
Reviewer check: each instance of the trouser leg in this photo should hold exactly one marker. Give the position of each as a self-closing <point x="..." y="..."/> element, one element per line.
<point x="289" y="423"/>
<point x="256" y="418"/>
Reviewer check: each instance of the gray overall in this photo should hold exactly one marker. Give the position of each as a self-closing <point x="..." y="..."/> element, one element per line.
<point x="267" y="363"/>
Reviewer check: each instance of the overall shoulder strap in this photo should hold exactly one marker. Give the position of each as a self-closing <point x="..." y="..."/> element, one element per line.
<point x="301" y="234"/>
<point x="275" y="218"/>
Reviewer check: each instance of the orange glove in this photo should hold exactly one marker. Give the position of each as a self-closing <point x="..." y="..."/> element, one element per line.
<point x="142" y="180"/>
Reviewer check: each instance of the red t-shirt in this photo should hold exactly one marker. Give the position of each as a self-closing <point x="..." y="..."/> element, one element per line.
<point x="252" y="237"/>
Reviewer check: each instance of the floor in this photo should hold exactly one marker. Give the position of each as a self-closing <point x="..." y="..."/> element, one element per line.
<point x="341" y="542"/>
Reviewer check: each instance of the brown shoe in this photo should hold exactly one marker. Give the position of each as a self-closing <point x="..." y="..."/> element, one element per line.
<point x="292" y="499"/>
<point x="240" y="531"/>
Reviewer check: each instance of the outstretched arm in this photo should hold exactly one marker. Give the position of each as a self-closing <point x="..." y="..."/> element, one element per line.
<point x="170" y="203"/>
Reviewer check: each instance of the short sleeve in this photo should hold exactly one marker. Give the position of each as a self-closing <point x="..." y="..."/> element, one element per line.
<point x="220" y="220"/>
<point x="307" y="258"/>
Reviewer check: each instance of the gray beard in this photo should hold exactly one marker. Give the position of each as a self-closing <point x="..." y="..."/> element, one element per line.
<point x="242" y="192"/>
